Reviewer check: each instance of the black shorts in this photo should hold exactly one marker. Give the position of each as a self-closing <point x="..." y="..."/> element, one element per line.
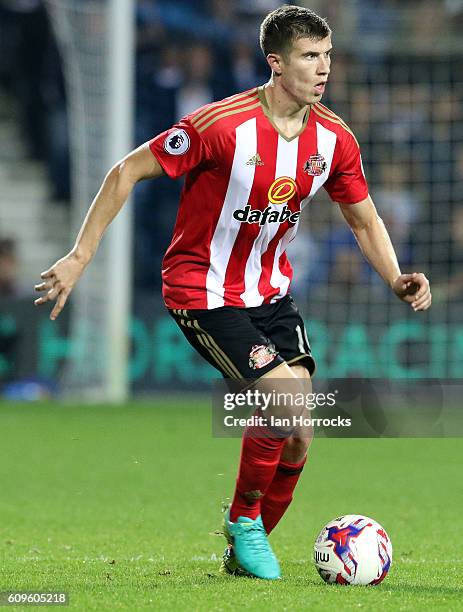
<point x="246" y="343"/>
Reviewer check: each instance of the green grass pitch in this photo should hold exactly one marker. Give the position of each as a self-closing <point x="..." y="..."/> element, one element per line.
<point x="119" y="505"/>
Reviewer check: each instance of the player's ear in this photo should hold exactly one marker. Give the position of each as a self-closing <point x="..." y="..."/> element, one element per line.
<point x="274" y="61"/>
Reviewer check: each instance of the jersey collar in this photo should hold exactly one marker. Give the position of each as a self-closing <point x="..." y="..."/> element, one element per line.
<point x="268" y="114"/>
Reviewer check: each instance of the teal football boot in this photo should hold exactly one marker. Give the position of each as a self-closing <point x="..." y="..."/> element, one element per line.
<point x="251" y="549"/>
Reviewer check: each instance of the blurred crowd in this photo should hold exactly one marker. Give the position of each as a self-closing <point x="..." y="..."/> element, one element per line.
<point x="396" y="79"/>
<point x="30" y="69"/>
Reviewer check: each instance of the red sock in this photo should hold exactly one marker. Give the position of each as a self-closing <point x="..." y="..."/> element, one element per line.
<point x="280" y="493"/>
<point x="259" y="460"/>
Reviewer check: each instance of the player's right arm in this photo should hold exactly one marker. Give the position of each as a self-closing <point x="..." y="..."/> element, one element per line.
<point x="59" y="280"/>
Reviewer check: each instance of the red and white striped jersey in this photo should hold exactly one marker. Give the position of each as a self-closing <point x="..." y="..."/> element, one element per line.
<point x="245" y="187"/>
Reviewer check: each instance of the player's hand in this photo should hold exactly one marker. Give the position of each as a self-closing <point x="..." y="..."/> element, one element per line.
<point x="413" y="289"/>
<point x="58" y="282"/>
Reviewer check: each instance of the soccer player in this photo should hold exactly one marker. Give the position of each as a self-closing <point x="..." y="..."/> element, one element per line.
<point x="251" y="162"/>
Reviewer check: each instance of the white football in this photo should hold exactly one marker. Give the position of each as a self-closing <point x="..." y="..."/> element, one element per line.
<point x="353" y="549"/>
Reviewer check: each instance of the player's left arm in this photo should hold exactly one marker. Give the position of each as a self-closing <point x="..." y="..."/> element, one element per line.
<point x="376" y="245"/>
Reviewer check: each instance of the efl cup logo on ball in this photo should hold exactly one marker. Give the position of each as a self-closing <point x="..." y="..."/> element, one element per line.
<point x="353" y="549"/>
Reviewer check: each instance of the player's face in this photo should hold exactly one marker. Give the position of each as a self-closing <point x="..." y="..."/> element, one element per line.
<point x="305" y="70"/>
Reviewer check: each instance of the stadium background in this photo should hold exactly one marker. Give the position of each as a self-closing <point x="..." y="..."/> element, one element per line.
<point x="103" y="501"/>
<point x="396" y="79"/>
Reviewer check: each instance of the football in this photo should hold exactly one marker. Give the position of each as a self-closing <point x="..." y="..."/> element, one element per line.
<point x="353" y="549"/>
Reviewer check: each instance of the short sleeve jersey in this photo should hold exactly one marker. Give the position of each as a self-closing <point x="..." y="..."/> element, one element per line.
<point x="245" y="187"/>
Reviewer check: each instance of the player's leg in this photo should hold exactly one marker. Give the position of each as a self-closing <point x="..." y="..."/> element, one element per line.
<point x="284" y="326"/>
<point x="262" y="446"/>
<point x="292" y="460"/>
<point x="286" y="329"/>
<point x="261" y="455"/>
<point x="229" y="341"/>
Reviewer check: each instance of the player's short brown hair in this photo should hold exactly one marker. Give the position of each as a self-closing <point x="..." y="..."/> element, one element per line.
<point x="283" y="26"/>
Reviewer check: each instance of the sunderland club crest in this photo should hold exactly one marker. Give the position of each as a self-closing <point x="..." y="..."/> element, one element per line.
<point x="315" y="165"/>
<point x="261" y="355"/>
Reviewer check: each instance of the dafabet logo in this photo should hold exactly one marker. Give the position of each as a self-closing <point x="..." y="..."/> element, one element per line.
<point x="280" y="192"/>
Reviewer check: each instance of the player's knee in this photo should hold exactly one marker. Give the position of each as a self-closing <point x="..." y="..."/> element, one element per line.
<point x="295" y="449"/>
<point x="285" y="405"/>
<point x="301" y="372"/>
